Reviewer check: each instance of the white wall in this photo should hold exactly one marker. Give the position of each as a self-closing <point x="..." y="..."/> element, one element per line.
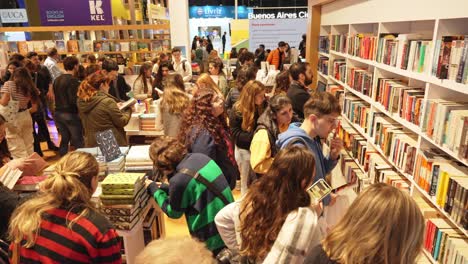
<point x="365" y="11"/>
<point x="179" y="14"/>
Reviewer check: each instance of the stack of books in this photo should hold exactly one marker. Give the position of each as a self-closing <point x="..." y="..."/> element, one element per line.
<point x="443" y="243"/>
<point x="324" y="44"/>
<point x="338" y="43"/>
<point x="138" y="159"/>
<point x="339" y="70"/>
<point x="148" y="122"/>
<point x="124" y="199"/>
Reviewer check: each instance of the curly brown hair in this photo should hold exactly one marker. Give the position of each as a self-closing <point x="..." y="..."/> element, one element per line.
<point x="272" y="197"/>
<point x="166" y="153"/>
<point x="198" y="117"/>
<point x="90" y="86"/>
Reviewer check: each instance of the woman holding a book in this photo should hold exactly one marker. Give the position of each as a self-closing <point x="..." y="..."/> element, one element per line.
<point x="274" y="222"/>
<point x="389" y="225"/>
<point x="60" y="225"/>
<point x="169" y="110"/>
<point x="99" y="110"/>
<point x="205" y="130"/>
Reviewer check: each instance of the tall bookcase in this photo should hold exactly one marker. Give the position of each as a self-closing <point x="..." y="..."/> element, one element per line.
<point x="427" y="21"/>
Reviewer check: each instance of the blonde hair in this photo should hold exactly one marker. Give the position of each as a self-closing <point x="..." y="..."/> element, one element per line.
<point x="246" y="104"/>
<point x="205" y="82"/>
<point x="383" y="226"/>
<point x="174" y="100"/>
<point x="175" y="250"/>
<point x="70" y="184"/>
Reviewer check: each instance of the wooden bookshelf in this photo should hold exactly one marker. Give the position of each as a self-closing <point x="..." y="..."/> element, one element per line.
<point x="354" y="18"/>
<point x="85" y="28"/>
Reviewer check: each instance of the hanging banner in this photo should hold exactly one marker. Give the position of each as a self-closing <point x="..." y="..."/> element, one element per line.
<point x="75" y="13"/>
<point x="18" y="15"/>
<point x="219" y="12"/>
<point x="158" y="12"/>
<point x="271" y="31"/>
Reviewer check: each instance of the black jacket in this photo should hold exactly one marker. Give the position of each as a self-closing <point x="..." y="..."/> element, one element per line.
<point x="241" y="137"/>
<point x="318" y="256"/>
<point x="299" y="96"/>
<point x="65" y="90"/>
<point x="120" y="92"/>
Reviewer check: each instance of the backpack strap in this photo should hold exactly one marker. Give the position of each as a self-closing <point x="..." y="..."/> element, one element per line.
<point x="183" y="65"/>
<point x="210" y="186"/>
<point x="296" y="141"/>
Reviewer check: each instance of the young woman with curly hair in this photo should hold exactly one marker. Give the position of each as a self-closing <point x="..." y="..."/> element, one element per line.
<point x="243" y="121"/>
<point x="169" y="110"/>
<point x="205" y="130"/>
<point x="274" y="222"/>
<point x="382" y="226"/>
<point x="61" y="225"/>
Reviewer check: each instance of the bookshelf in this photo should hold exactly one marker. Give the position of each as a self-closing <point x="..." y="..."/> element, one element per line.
<point x="135" y="42"/>
<point x="365" y="37"/>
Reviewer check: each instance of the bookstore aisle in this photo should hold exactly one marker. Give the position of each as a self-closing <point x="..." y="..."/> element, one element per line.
<point x="402" y="75"/>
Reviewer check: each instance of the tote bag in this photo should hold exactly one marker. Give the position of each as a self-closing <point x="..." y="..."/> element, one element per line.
<point x="10" y="111"/>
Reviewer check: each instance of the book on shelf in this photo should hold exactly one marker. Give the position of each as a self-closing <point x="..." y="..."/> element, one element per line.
<point x="324" y="44"/>
<point x="72" y="46"/>
<point x="48" y="44"/>
<point x="338" y="43"/>
<point x="362" y="45"/>
<point x="133" y="45"/>
<point x="143" y="46"/>
<point x="339" y="70"/>
<point x="60" y="46"/>
<point x="23" y="47"/>
<point x="450" y="58"/>
<point x="323" y="65"/>
<point x="156" y="45"/>
<point x="444" y="243"/>
<point x="12" y="46"/>
<point x="357" y="111"/>
<point x="105" y="46"/>
<point x="124" y="46"/>
<point x="360" y="79"/>
<point x="39" y="46"/>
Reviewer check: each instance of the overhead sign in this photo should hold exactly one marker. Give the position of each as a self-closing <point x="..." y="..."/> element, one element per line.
<point x="279" y="15"/>
<point x="271" y="31"/>
<point x="158" y="12"/>
<point x="75" y="13"/>
<point x="219" y="12"/>
<point x="17" y="15"/>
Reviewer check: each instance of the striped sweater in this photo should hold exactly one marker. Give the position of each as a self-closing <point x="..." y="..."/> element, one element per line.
<point x="185" y="195"/>
<point x="90" y="240"/>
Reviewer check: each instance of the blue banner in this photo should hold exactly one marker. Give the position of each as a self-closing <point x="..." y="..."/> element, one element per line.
<point x="219" y="12"/>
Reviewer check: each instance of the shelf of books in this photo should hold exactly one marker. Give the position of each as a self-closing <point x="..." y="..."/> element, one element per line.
<point x="405" y="114"/>
<point x="135" y="41"/>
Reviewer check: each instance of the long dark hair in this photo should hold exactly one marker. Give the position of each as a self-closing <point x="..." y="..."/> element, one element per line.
<point x="142" y="76"/>
<point x="272" y="197"/>
<point x="24" y="83"/>
<point x="159" y="75"/>
<point x="198" y="116"/>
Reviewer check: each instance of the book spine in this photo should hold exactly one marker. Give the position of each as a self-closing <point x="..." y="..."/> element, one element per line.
<point x="435" y="179"/>
<point x="461" y="65"/>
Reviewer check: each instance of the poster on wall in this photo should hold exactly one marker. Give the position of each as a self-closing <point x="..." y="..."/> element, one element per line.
<point x="271" y="31"/>
<point x="75" y="13"/>
<point x="211" y="32"/>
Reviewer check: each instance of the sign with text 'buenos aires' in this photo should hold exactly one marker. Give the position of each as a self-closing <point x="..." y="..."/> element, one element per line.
<point x="75" y="13"/>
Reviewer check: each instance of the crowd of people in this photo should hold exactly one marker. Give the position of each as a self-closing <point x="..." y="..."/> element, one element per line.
<point x="214" y="134"/>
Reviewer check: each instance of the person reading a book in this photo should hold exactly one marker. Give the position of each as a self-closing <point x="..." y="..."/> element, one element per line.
<point x="321" y="113"/>
<point x="192" y="184"/>
<point x="270" y="124"/>
<point x="99" y="111"/>
<point x="160" y="81"/>
<point x="275" y="221"/>
<point x="205" y="130"/>
<point x="390" y="227"/>
<point x="243" y="122"/>
<point x="142" y="87"/>
<point x="118" y="86"/>
<point x="61" y="225"/>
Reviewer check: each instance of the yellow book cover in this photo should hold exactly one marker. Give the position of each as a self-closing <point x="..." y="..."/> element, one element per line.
<point x="443" y="182"/>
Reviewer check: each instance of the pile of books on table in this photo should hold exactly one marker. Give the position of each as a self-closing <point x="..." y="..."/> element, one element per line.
<point x="138" y="159"/>
<point x="124" y="199"/>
